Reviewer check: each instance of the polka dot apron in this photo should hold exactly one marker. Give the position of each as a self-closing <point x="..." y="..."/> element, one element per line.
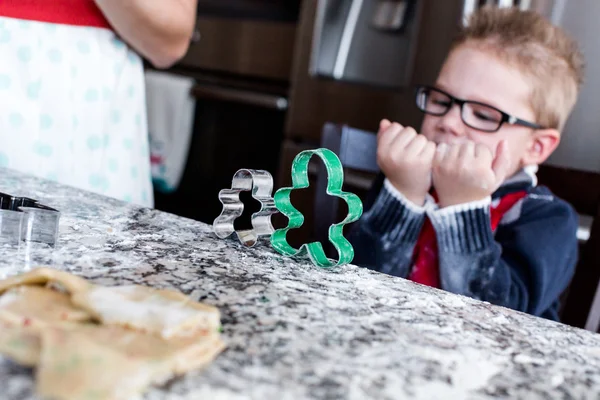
<point x="72" y="108"/>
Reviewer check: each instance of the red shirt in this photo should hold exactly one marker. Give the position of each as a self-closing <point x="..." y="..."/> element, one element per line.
<point x="68" y="12"/>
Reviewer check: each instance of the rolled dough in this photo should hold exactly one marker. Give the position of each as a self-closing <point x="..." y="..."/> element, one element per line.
<point x="102" y="343"/>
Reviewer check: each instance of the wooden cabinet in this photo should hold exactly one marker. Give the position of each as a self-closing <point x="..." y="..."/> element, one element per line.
<point x="244" y="47"/>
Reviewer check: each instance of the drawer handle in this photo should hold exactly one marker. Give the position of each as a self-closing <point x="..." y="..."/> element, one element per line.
<point x="257" y="99"/>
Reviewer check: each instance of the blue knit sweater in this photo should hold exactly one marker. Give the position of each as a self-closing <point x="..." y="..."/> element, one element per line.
<point x="524" y="265"/>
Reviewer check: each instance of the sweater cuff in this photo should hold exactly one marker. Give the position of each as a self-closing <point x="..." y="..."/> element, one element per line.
<point x="406" y="202"/>
<point x="463" y="228"/>
<point x="395" y="216"/>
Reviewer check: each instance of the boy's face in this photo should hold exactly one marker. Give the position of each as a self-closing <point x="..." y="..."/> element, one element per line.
<point x="470" y="73"/>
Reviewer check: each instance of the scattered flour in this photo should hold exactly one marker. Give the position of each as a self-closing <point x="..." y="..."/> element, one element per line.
<point x="500" y="320"/>
<point x="557" y="380"/>
<point x="525" y="359"/>
<point x="469" y="371"/>
<point x="203" y="392"/>
<point x="454" y="301"/>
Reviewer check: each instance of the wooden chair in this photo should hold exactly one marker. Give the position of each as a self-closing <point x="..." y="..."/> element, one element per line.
<point x="581" y="301"/>
<point x="357" y="150"/>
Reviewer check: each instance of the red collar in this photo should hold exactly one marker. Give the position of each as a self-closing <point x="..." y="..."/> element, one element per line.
<point x="68" y="12"/>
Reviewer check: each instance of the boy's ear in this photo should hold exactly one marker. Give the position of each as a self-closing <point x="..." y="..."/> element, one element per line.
<point x="542" y="144"/>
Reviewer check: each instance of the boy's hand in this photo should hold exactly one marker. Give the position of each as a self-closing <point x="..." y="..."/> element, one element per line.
<point x="406" y="159"/>
<point x="468" y="172"/>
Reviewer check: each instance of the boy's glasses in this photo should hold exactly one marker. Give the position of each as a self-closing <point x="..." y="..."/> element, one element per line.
<point x="474" y="114"/>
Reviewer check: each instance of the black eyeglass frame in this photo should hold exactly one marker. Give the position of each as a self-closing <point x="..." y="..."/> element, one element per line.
<point x="506" y="118"/>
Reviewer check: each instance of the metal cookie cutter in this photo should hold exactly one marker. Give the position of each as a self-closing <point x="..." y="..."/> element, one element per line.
<point x="335" y="180"/>
<point x="25" y="219"/>
<point x="260" y="183"/>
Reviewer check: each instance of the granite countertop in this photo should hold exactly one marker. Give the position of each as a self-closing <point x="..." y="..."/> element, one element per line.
<point x="294" y="331"/>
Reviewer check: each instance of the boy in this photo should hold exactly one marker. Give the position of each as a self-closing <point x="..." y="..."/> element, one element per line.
<point x="459" y="208"/>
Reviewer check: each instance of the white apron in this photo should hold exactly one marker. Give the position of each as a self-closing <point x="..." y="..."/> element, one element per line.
<point x="72" y="108"/>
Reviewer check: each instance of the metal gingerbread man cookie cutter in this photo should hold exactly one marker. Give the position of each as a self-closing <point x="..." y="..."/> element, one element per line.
<point x="260" y="184"/>
<point x="26" y="219"/>
<point x="335" y="181"/>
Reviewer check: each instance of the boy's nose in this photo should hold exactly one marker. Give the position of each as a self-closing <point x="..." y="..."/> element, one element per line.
<point x="452" y="122"/>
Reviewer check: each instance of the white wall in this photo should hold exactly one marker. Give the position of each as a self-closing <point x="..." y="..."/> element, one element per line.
<point x="580" y="145"/>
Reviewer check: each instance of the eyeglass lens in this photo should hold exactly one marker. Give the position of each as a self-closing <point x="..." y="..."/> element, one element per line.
<point x="475" y="115"/>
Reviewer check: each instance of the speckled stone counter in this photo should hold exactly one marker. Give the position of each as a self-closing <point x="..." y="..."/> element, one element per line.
<point x="296" y="332"/>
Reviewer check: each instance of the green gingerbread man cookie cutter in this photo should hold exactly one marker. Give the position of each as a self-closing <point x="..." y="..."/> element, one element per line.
<point x="314" y="250"/>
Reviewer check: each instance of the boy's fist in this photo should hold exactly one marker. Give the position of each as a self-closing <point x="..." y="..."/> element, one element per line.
<point x="406" y="159"/>
<point x="468" y="172"/>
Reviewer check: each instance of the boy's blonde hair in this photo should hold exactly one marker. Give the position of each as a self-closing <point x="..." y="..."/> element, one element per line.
<point x="541" y="51"/>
